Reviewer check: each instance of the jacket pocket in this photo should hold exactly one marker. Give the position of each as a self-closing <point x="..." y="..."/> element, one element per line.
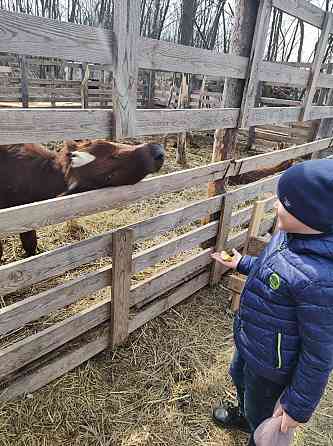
<point x="278" y="350"/>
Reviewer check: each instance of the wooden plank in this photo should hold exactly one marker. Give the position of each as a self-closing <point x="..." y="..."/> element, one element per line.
<point x="303" y="10"/>
<point x="149" y="289"/>
<point x="256" y="245"/>
<point x="278" y="73"/>
<point x="58" y="367"/>
<point x="181" y="293"/>
<point x="33" y="347"/>
<point x="321" y="112"/>
<point x="256" y="58"/>
<point x="167" y="56"/>
<point x="15" y="316"/>
<point x="39" y="125"/>
<point x="32" y="216"/>
<point x="273" y="115"/>
<point x="254" y="226"/>
<point x="161" y="121"/>
<point x="280" y="102"/>
<point x="236" y="283"/>
<point x="26" y="272"/>
<point x="222" y="236"/>
<point x="122" y="247"/>
<point x="126" y="19"/>
<point x="38" y="36"/>
<point x="316" y="67"/>
<point x="171" y="248"/>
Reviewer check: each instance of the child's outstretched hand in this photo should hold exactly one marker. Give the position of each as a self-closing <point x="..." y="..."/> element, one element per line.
<point x="287" y="422"/>
<point x="231" y="262"/>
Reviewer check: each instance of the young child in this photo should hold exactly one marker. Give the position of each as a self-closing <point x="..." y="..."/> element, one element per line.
<point x="284" y="328"/>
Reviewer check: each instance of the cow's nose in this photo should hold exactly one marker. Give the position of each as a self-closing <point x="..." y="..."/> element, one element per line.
<point x="158" y="152"/>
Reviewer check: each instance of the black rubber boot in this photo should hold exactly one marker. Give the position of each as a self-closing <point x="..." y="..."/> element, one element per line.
<point x="227" y="416"/>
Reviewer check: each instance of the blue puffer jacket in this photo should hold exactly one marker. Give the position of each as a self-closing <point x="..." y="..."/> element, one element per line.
<point x="284" y="328"/>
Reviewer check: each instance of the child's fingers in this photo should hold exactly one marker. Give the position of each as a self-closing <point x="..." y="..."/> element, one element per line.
<point x="278" y="412"/>
<point x="284" y="424"/>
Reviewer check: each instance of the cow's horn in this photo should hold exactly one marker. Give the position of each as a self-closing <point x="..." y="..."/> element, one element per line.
<point x="79" y="159"/>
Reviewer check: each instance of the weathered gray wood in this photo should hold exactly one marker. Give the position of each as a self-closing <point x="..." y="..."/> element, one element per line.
<point x="273" y="115"/>
<point x="280" y="102"/>
<point x="58" y="367"/>
<point x="316" y="67"/>
<point x="26" y="272"/>
<point x="173" y="247"/>
<point x="321" y="112"/>
<point x="262" y="161"/>
<point x="255" y="222"/>
<point x="24" y="82"/>
<point x="168" y="56"/>
<point x="222" y="236"/>
<point x="38" y="125"/>
<point x="181" y="293"/>
<point x="122" y="247"/>
<point x="32" y="216"/>
<point x="84" y="86"/>
<point x="256" y="245"/>
<point x="126" y="33"/>
<point x="153" y="122"/>
<point x="278" y="73"/>
<point x="256" y="58"/>
<point x="302" y="9"/>
<point x="38" y="36"/>
<point x="32" y="308"/>
<point x="165" y="281"/>
<point x="29" y="349"/>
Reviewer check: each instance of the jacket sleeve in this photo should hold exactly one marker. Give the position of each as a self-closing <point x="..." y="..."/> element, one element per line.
<point x="245" y="264"/>
<point x="314" y="309"/>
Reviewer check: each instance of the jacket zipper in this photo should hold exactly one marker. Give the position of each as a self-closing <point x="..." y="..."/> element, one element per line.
<point x="279" y="341"/>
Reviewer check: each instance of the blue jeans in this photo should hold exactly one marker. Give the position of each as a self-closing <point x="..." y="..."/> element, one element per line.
<point x="256" y="395"/>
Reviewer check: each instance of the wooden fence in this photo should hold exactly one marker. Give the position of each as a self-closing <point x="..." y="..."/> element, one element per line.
<point x="30" y="363"/>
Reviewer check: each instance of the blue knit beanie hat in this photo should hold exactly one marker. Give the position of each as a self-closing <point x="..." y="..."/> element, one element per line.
<point x="306" y="192"/>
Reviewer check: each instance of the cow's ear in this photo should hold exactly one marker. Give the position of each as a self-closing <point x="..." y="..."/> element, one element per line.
<point x="80" y="159"/>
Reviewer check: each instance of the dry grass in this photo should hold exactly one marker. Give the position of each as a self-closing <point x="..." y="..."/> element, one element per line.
<point x="160" y="387"/>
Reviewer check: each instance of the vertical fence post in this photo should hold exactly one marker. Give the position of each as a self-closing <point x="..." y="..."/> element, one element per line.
<point x="122" y="247"/>
<point x="125" y="74"/>
<point x="84" y="85"/>
<point x="24" y="81"/>
<point x="256" y="59"/>
<point x="222" y="236"/>
<point x="254" y="226"/>
<point x="316" y="67"/>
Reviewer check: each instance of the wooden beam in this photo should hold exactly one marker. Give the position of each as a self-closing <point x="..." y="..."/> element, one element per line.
<point x="303" y="10"/>
<point x="254" y="226"/>
<point x="256" y="245"/>
<point x="122" y="248"/>
<point x="222" y="236"/>
<point x="316" y="67"/>
<point x="256" y="58"/>
<point x="126" y="20"/>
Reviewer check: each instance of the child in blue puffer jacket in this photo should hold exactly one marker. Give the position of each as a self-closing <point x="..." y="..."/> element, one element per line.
<point x="284" y="328"/>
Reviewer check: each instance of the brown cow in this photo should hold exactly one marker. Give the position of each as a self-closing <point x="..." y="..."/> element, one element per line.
<point x="30" y="172"/>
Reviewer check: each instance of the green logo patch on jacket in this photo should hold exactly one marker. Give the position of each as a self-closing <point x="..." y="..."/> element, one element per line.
<point x="274" y="281"/>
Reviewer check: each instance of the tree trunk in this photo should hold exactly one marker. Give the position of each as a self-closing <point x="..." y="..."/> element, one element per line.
<point x="185" y="38"/>
<point x="240" y="44"/>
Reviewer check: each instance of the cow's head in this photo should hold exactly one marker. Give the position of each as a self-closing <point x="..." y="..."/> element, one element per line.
<point x="95" y="164"/>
